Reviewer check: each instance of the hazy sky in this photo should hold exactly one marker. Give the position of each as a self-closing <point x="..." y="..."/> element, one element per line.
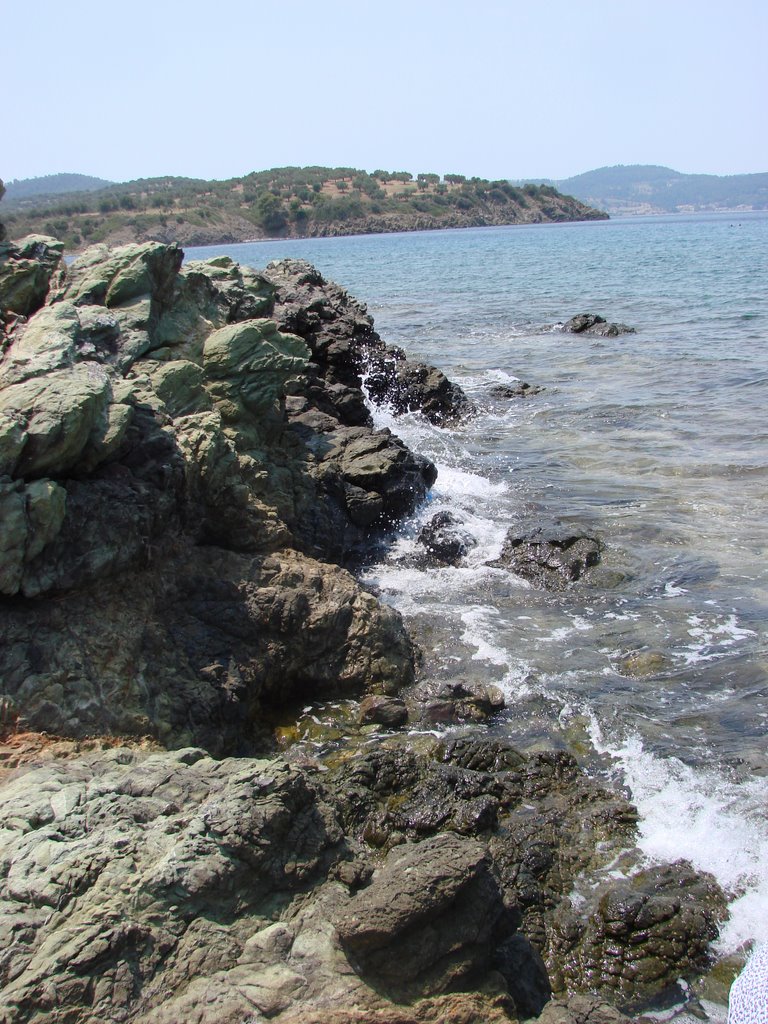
<point x="498" y="89"/>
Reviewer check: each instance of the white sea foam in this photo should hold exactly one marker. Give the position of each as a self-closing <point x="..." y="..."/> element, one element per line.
<point x="718" y="824"/>
<point x="479" y="623"/>
<point x="713" y="638"/>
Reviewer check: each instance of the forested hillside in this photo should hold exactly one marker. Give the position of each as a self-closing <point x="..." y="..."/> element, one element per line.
<point x="289" y="202"/>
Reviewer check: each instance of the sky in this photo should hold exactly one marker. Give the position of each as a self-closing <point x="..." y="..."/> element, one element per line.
<point x="478" y="87"/>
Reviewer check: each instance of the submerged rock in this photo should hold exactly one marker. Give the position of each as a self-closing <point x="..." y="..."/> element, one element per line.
<point x="463" y="702"/>
<point x="520" y="389"/>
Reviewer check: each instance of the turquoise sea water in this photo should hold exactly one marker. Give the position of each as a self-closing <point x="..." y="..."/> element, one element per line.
<point x="656" y="441"/>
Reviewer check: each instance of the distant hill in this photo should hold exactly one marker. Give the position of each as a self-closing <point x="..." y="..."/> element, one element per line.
<point x="286" y="202"/>
<point x="19" y="192"/>
<point x="646" y="188"/>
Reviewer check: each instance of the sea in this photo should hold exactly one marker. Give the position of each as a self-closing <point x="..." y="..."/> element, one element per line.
<point x="655" y="671"/>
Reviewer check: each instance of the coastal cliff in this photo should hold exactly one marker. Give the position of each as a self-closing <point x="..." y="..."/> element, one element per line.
<point x="188" y="462"/>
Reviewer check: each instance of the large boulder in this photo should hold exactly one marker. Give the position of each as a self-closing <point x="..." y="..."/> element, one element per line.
<point x="27" y="269"/>
<point x="429" y="919"/>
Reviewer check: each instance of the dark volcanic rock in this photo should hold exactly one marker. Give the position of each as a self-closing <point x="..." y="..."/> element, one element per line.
<point x="552" y="556"/>
<point x="430" y="918"/>
<point x="592" y="323"/>
<point x="444" y="540"/>
<point x="462" y="702"/>
<point x="643" y="935"/>
<point x="348" y="352"/>
<point x="519" y="390"/>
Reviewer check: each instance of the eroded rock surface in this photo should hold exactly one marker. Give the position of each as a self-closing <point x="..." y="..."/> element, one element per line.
<point x="185" y="453"/>
<point x="157" y="886"/>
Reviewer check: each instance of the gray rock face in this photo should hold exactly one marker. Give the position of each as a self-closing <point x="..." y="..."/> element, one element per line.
<point x="128" y="880"/>
<point x="170" y="886"/>
<point x="430" y="917"/>
<point x="27" y="269"/>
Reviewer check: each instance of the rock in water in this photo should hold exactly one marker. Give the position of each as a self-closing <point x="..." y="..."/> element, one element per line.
<point x="593" y="323"/>
<point x="551" y="556"/>
<point x="444" y="539"/>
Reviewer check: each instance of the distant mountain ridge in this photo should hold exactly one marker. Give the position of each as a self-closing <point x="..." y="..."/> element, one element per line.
<point x="649" y="188"/>
<point x="51" y="185"/>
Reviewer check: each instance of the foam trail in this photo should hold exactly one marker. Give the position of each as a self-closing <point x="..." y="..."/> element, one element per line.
<point x="703" y="816"/>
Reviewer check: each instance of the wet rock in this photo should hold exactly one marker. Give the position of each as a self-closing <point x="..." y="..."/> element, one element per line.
<point x="430" y="917"/>
<point x="550" y="556"/>
<point x="520" y="389"/>
<point x="462" y="702"/>
<point x="388" y="711"/>
<point x="416" y="387"/>
<point x="348" y="351"/>
<point x="643" y="935"/>
<point x="593" y="323"/>
<point x="444" y="539"/>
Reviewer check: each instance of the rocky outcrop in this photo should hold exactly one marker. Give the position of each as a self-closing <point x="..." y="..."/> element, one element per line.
<point x="550" y="556"/>
<point x="27" y="269"/>
<point x="156" y="886"/>
<point x="171" y="460"/>
<point x="593" y="323"/>
<point x="349" y="353"/>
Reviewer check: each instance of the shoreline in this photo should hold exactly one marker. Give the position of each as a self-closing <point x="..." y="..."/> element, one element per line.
<point x="242" y="447"/>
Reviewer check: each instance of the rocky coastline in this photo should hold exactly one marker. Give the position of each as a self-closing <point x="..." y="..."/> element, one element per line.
<point x="189" y="476"/>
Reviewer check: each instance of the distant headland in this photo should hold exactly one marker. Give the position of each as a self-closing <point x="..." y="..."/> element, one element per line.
<point x="286" y="202"/>
<point x="647" y="189"/>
